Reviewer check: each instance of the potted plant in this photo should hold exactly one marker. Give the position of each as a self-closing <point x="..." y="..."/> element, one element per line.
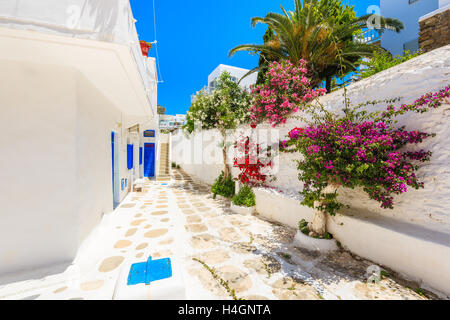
<point x="223" y="187"/>
<point x="305" y="239"/>
<point x="244" y="201"/>
<point x="145" y="47"/>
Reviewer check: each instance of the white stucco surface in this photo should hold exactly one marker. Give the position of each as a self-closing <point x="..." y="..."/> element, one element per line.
<point x="59" y="106"/>
<point x="421" y="214"/>
<point x="57" y="170"/>
<point x="31" y="168"/>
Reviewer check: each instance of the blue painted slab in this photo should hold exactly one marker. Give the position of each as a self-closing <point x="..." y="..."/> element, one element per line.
<point x="159" y="270"/>
<point x="150" y="271"/>
<point x="137" y="274"/>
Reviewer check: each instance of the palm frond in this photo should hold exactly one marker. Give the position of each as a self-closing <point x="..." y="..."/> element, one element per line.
<point x="249" y="73"/>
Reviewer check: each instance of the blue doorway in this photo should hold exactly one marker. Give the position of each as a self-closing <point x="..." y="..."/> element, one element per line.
<point x="149" y="160"/>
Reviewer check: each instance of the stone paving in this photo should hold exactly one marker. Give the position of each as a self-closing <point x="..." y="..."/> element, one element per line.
<point x="224" y="255"/>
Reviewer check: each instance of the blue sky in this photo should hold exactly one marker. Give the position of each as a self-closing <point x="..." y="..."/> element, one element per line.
<point x="195" y="36"/>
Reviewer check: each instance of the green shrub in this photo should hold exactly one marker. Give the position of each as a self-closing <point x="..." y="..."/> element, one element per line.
<point x="303" y="227"/>
<point x="383" y="61"/>
<point x="245" y="197"/>
<point x="174" y="165"/>
<point x="222" y="187"/>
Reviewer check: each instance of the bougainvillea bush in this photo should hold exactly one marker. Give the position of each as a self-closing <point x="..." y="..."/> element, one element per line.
<point x="361" y="149"/>
<point x="252" y="162"/>
<point x="286" y="89"/>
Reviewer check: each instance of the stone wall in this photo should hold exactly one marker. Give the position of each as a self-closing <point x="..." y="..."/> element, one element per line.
<point x="435" y="31"/>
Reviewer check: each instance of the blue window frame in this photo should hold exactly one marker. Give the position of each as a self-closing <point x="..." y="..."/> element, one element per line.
<point x="140" y="156"/>
<point x="149" y="133"/>
<point x="130" y="161"/>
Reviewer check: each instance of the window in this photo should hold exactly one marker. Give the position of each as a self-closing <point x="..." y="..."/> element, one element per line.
<point x="151" y="133"/>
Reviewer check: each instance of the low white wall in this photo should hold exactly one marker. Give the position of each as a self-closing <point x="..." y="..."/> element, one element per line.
<point x="275" y="206"/>
<point x="424" y="211"/>
<point x="418" y="254"/>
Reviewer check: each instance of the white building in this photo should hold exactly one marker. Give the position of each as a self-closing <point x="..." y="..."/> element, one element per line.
<point x="409" y="12"/>
<point x="78" y="125"/>
<point x="168" y="122"/>
<point x="236" y="75"/>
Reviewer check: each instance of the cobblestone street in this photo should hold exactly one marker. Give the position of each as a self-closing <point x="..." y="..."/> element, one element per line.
<point x="223" y="255"/>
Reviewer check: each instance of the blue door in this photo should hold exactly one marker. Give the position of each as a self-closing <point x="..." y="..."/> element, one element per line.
<point x="149" y="160"/>
<point x="112" y="156"/>
<point x="115" y="170"/>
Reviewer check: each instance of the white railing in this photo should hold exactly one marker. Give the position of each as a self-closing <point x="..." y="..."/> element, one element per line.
<point x="368" y="36"/>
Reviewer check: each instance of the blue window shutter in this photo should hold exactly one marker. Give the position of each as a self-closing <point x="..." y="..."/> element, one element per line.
<point x="140" y="155"/>
<point x="130" y="156"/>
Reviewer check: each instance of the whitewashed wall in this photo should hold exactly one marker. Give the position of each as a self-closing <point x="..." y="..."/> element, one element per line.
<point x="38" y="181"/>
<point x="55" y="168"/>
<point x="426" y="208"/>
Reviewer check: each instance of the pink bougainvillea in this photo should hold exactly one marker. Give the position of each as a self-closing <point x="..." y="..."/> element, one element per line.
<point x="362" y="150"/>
<point x="286" y="89"/>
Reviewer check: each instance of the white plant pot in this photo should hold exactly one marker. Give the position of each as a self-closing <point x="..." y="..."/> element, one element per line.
<point x="246" y="211"/>
<point x="310" y="243"/>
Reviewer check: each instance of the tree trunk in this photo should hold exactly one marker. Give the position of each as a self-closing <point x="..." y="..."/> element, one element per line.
<point x="226" y="171"/>
<point x="318" y="226"/>
<point x="328" y="84"/>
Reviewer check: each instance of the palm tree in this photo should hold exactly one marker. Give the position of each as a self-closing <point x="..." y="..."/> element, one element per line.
<point x="321" y="32"/>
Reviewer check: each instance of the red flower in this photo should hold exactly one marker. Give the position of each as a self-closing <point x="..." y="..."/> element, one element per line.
<point x="296" y="132"/>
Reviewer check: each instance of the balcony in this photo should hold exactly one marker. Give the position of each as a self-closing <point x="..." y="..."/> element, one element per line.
<point x="368" y="36"/>
<point x="107" y="25"/>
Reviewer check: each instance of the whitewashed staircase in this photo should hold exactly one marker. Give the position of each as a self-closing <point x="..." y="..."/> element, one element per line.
<point x="164" y="165"/>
